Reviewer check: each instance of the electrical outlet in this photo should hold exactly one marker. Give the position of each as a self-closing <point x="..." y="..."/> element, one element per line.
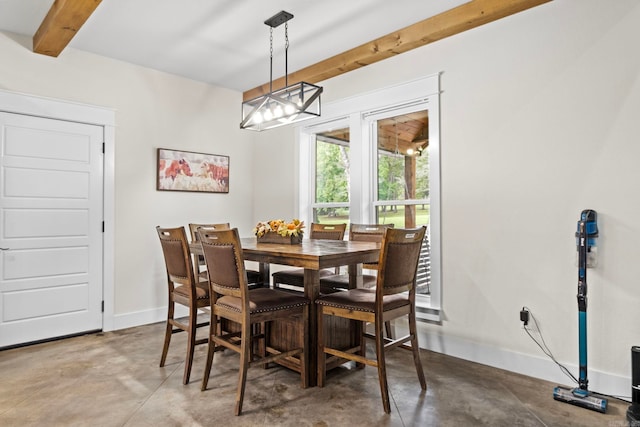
<point x="524" y="316"/>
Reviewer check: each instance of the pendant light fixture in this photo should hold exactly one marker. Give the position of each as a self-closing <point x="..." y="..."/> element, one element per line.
<point x="291" y="104"/>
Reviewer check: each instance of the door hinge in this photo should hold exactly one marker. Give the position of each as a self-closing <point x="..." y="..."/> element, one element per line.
<point x="102" y="306"/>
<point x="103" y="148"/>
<point x="103" y="226"/>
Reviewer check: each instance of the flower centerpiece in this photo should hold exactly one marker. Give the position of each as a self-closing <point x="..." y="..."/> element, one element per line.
<point x="279" y="231"/>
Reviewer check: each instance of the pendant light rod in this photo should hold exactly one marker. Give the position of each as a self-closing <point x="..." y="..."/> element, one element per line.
<point x="271" y="60"/>
<point x="286" y="54"/>
<point x="275" y="21"/>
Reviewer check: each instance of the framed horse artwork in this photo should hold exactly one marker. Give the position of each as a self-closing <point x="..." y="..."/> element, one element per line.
<point x="189" y="171"/>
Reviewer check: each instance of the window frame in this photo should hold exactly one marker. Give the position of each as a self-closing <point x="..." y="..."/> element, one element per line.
<point x="359" y="114"/>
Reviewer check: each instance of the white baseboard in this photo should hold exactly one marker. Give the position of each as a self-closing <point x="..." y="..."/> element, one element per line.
<point x="525" y="364"/>
<point x="145" y="317"/>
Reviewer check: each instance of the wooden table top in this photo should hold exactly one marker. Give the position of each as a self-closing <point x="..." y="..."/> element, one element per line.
<point x="314" y="254"/>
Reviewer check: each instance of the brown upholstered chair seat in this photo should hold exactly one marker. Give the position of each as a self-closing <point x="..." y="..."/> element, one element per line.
<point x="363" y="300"/>
<point x="202" y="290"/>
<point x="295" y="276"/>
<point x="262" y="300"/>
<point x="358" y="233"/>
<point x="341" y="281"/>
<point x="254" y="278"/>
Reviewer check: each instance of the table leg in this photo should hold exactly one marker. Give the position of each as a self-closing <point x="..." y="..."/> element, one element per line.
<point x="355" y="276"/>
<point x="312" y="291"/>
<point x="263" y="268"/>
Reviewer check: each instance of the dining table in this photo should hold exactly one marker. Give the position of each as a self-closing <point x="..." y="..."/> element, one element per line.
<point x="312" y="255"/>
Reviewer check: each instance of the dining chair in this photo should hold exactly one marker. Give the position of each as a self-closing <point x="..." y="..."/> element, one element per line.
<point x="254" y="277"/>
<point x="393" y="297"/>
<point x="186" y="289"/>
<point x="357" y="233"/>
<point x="295" y="276"/>
<point x="232" y="300"/>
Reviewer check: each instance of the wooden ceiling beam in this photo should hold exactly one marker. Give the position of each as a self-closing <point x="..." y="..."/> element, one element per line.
<point x="62" y="22"/>
<point x="454" y="21"/>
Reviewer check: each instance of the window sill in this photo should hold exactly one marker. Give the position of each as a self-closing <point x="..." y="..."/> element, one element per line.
<point x="425" y="312"/>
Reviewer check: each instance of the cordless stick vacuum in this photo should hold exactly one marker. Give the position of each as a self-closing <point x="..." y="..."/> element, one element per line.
<point x="581" y="396"/>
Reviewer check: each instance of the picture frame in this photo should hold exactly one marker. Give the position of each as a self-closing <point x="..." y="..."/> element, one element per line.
<point x="192" y="172"/>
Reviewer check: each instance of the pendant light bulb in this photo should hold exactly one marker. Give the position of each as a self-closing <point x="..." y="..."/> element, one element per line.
<point x="277" y="111"/>
<point x="289" y="109"/>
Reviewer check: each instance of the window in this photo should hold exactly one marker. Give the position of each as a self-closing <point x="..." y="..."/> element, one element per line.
<point x="331" y="204"/>
<point x="402" y="171"/>
<point x="375" y="158"/>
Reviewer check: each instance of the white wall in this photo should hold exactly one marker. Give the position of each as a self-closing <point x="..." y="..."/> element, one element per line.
<point x="539" y="120"/>
<point x="276" y="173"/>
<point x="153" y="109"/>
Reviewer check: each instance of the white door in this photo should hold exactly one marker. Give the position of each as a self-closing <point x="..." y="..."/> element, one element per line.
<point x="51" y="187"/>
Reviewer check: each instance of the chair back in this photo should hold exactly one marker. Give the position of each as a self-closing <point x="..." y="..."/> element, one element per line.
<point x="367" y="232"/>
<point x="198" y="260"/>
<point x="398" y="262"/>
<point x="177" y="256"/>
<point x="327" y="231"/>
<point x="223" y="256"/>
<point x="193" y="228"/>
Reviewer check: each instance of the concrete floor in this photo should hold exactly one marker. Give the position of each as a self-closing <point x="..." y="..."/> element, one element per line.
<point x="113" y="379"/>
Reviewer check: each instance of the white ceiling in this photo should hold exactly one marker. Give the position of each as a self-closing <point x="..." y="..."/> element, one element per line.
<point x="225" y="42"/>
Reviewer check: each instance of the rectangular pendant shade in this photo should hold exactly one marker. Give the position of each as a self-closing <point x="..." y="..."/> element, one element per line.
<point x="291" y="104"/>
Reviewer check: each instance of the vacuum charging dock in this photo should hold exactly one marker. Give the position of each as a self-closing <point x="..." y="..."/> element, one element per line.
<point x="633" y="413"/>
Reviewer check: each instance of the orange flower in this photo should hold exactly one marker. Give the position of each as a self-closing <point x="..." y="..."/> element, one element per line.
<point x="293" y="228"/>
